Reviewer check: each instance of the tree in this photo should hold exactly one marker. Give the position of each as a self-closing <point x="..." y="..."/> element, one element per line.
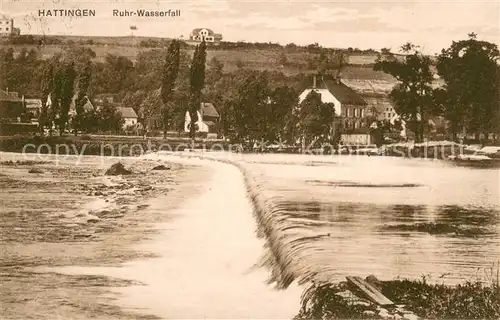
<point x="197" y="82"/>
<point x="215" y="70"/>
<point x="109" y="118"/>
<point x="83" y="84"/>
<point x="46" y="87"/>
<point x="280" y="122"/>
<point x="171" y="70"/>
<point x="315" y="119"/>
<point x="330" y="61"/>
<point x="66" y="78"/>
<point x="412" y="95"/>
<point x="250" y="108"/>
<point x="469" y="99"/>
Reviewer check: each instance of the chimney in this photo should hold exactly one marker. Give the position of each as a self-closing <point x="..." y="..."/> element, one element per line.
<point x="314" y="82"/>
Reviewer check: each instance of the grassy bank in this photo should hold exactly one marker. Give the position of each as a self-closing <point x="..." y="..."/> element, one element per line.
<point x="412" y="298"/>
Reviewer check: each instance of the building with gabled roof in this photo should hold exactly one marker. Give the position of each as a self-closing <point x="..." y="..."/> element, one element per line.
<point x="200" y="34"/>
<point x="12" y="107"/>
<point x="128" y="115"/>
<point x="349" y="105"/>
<point x="208" y="117"/>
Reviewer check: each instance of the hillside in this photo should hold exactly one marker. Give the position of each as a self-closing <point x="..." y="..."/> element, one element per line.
<point x="259" y="56"/>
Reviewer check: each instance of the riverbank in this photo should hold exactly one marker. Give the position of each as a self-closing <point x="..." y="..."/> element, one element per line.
<point x="413" y="299"/>
<point x="122" y="146"/>
<point x="67" y="212"/>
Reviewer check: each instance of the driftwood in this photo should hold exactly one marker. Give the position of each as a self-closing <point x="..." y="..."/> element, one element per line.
<point x="369" y="291"/>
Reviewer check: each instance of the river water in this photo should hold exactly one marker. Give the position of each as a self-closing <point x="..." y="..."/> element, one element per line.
<point x="327" y="217"/>
<point x="391" y="217"/>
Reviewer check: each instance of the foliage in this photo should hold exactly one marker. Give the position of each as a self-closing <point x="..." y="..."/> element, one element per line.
<point x="196" y="84"/>
<point x="64" y="79"/>
<point x="470" y="300"/>
<point x="322" y="301"/>
<point x="469" y="99"/>
<point x="46" y="87"/>
<point x="83" y="84"/>
<point x="315" y="118"/>
<point x="171" y="70"/>
<point x="109" y="119"/>
<point x="248" y="108"/>
<point x="412" y="95"/>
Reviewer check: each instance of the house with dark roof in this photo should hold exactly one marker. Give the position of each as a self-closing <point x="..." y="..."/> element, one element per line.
<point x="200" y="34"/>
<point x="350" y="106"/>
<point x="128" y="115"/>
<point x="208" y="117"/>
<point x="11" y="106"/>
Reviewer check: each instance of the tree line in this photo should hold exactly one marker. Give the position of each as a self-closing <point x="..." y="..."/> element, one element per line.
<point x="254" y="105"/>
<point x="468" y="96"/>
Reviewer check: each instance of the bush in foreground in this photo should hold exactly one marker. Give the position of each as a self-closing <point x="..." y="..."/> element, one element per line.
<point x="471" y="300"/>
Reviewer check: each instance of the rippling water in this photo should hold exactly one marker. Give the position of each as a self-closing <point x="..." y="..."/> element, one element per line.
<point x="325" y="217"/>
<point x="338" y="216"/>
<point x="332" y="216"/>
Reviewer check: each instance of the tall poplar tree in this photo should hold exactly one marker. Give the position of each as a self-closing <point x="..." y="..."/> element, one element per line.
<point x="196" y="82"/>
<point x="67" y="79"/>
<point x="170" y="72"/>
<point x="46" y="87"/>
<point x="83" y="84"/>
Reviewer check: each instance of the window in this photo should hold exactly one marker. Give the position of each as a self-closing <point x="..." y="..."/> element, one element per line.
<point x="361" y="113"/>
<point x="6" y="29"/>
<point x="348" y="112"/>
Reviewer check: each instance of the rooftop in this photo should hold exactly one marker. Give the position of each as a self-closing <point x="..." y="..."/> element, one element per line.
<point x="9" y="96"/>
<point x="208" y="109"/>
<point x="339" y="90"/>
<point x="127" y="112"/>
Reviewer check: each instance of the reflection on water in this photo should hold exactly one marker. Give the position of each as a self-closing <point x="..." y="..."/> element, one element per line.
<point x="387" y="217"/>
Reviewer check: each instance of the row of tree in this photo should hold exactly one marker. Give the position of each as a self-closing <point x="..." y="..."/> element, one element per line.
<point x="468" y="95"/>
<point x="254" y="104"/>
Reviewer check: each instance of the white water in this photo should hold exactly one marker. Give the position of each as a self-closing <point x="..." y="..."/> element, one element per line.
<point x="206" y="258"/>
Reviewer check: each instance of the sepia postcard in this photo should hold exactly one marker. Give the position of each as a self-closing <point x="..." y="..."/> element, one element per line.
<point x="247" y="159"/>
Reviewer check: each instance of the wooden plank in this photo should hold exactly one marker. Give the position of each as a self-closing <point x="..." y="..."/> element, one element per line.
<point x="372" y="293"/>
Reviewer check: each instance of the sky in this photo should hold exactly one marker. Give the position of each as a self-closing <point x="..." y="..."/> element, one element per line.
<point x="432" y="25"/>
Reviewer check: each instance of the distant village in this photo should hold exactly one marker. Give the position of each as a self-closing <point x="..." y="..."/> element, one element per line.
<point x="361" y="107"/>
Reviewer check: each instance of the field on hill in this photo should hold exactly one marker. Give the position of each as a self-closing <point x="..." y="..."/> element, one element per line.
<point x="258" y="59"/>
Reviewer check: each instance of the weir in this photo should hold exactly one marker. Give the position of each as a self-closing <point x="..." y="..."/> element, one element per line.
<point x="326" y="218"/>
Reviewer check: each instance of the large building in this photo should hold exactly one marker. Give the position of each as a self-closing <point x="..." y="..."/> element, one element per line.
<point x="200" y="34"/>
<point x="7" y="26"/>
<point x="350" y="107"/>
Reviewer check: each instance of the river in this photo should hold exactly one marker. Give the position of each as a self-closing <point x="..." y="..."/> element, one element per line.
<point x="326" y="217"/>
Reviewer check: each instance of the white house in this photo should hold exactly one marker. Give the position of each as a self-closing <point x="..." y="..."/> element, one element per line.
<point x="349" y="106"/>
<point x="7" y="26"/>
<point x="128" y="115"/>
<point x="200" y="34"/>
<point x="207" y="119"/>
